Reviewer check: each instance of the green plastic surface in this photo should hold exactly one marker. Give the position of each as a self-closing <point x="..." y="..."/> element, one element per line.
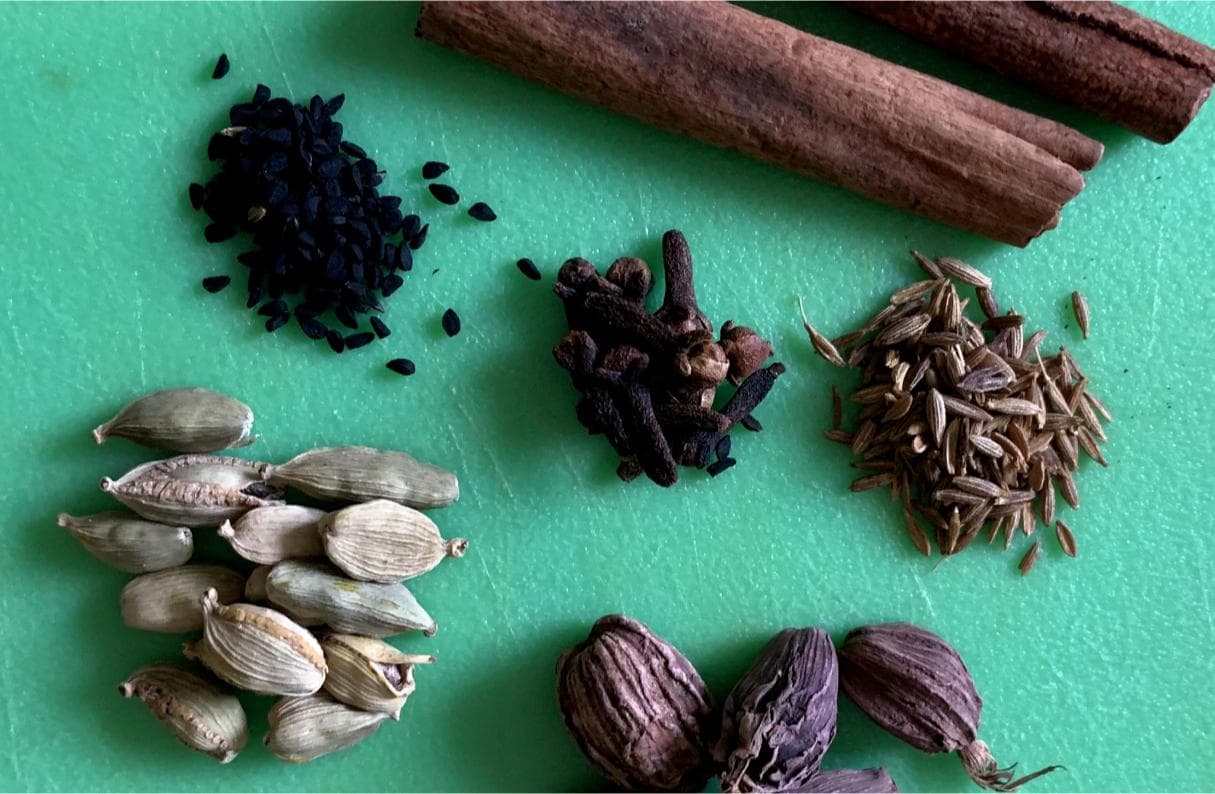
<point x="1102" y="663"/>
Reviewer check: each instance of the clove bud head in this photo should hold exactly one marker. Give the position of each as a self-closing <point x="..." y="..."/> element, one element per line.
<point x="746" y="350"/>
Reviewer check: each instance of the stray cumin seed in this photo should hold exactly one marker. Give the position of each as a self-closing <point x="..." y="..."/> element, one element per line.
<point x="1067" y="541"/>
<point x="1080" y="308"/>
<point x="1031" y="557"/>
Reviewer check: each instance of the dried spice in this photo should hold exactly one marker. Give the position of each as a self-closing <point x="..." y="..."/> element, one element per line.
<point x="850" y="781"/>
<point x="369" y="674"/>
<point x="401" y="366"/>
<point x="305" y="728"/>
<point x="966" y="423"/>
<point x="267" y="535"/>
<point x="124" y="541"/>
<point x="779" y="719"/>
<point x="222" y="65"/>
<point x="361" y="474"/>
<point x="313" y="592"/>
<point x="182" y="420"/>
<point x="637" y="708"/>
<point x="434" y="169"/>
<point x="382" y="541"/>
<point x="528" y="268"/>
<point x="451" y="322"/>
<point x="171" y="600"/>
<point x="1080" y="308"/>
<point x="444" y="194"/>
<point x="193" y="490"/>
<point x="480" y="211"/>
<point x="649" y="381"/>
<point x="913" y="683"/>
<point x="201" y="714"/>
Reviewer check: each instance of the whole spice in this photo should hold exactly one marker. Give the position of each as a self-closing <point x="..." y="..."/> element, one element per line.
<point x="258" y="649"/>
<point x="272" y="534"/>
<point x="913" y="683"/>
<point x="128" y="543"/>
<point x="202" y="715"/>
<point x="1080" y="308"/>
<point x="361" y="474"/>
<point x="637" y="708"/>
<point x="780" y="718"/>
<point x="382" y="541"/>
<point x="315" y="591"/>
<point x="850" y="781"/>
<point x="169" y="600"/>
<point x="305" y="728"/>
<point x="368" y="673"/>
<point x="182" y="420"/>
<point x="194" y="490"/>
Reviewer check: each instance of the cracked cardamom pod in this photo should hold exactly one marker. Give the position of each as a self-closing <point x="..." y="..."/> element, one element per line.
<point x="780" y="718"/>
<point x="637" y="708"/>
<point x="193" y="490"/>
<point x="305" y="728"/>
<point x="382" y="541"/>
<point x="168" y="600"/>
<point x="916" y="686"/>
<point x="201" y="714"/>
<point x="258" y="649"/>
<point x="361" y="474"/>
<point x="850" y="781"/>
<point x="368" y="673"/>
<point x="272" y="534"/>
<point x="128" y="543"/>
<point x="182" y="420"/>
<point x="315" y="591"/>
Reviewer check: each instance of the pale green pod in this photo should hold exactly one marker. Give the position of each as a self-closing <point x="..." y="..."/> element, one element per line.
<point x="368" y="673"/>
<point x="382" y="541"/>
<point x="258" y="649"/>
<point x="361" y="474"/>
<point x="201" y="714"/>
<point x="182" y="420"/>
<point x="168" y="600"/>
<point x="305" y="728"/>
<point x="129" y="543"/>
<point x="319" y="592"/>
<point x="193" y="490"/>
<point x="255" y="585"/>
<point x="267" y="535"/>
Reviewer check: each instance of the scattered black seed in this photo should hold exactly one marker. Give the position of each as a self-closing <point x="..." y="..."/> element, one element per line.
<point x="391" y="284"/>
<point x="214" y="284"/>
<point x="354" y="150"/>
<point x="196" y="195"/>
<point x="419" y="239"/>
<point x="451" y="322"/>
<point x="434" y="272"/>
<point x="482" y="212"/>
<point x="528" y="268"/>
<point x="335" y="340"/>
<point x="381" y="330"/>
<point x="346" y="317"/>
<point x="723" y="448"/>
<point x="401" y="366"/>
<point x="355" y="341"/>
<point x="217" y="233"/>
<point x="312" y="327"/>
<point x="261" y="95"/>
<point x="410" y="225"/>
<point x="434" y="169"/>
<point x="446" y="194"/>
<point x="719" y="466"/>
<point x="272" y="308"/>
<point x="751" y="423"/>
<point x="276" y="322"/>
<point x="221" y="66"/>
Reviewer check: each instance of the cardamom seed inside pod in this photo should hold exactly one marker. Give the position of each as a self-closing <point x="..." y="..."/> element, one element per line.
<point x="267" y="535"/>
<point x="315" y="591"/>
<point x="193" y="490"/>
<point x="915" y="685"/>
<point x="129" y="543"/>
<point x="851" y="781"/>
<point x="305" y="728"/>
<point x="182" y="420"/>
<point x="361" y="474"/>
<point x="637" y="708"/>
<point x="368" y="673"/>
<point x="779" y="719"/>
<point x="382" y="541"/>
<point x="202" y="715"/>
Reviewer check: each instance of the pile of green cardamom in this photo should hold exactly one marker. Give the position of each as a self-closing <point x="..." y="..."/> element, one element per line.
<point x="309" y="622"/>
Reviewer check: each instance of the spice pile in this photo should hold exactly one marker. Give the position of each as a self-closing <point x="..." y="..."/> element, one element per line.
<point x="649" y="381"/>
<point x="301" y="626"/>
<point x="965" y="422"/>
<point x="643" y="716"/>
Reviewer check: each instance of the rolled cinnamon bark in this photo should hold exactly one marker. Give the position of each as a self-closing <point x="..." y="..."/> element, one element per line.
<point x="1099" y="56"/>
<point x="738" y="80"/>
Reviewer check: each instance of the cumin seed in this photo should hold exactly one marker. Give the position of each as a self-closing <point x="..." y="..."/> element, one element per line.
<point x="1080" y="308"/>
<point x="1067" y="541"/>
<point x="1031" y="557"/>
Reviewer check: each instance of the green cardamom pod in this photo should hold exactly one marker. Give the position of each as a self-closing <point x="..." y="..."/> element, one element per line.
<point x="305" y="728"/>
<point x="368" y="673"/>
<point x="182" y="420"/>
<point x="193" y="490"/>
<point x="319" y="592"/>
<point x="202" y="715"/>
<point x="382" y="541"/>
<point x="272" y="534"/>
<point x="255" y="585"/>
<point x="361" y="474"/>
<point x="168" y="600"/>
<point x="128" y="543"/>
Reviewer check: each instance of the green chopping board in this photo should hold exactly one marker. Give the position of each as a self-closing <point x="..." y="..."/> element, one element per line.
<point x="1102" y="663"/>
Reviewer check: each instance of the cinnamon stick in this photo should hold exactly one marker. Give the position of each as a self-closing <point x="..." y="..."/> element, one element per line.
<point x="734" y="79"/>
<point x="1099" y="56"/>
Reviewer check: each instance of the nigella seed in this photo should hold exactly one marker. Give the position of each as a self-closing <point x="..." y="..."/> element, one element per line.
<point x="381" y="330"/>
<point x="261" y="95"/>
<point x="451" y="322"/>
<point x="214" y="284"/>
<point x="312" y="327"/>
<point x="401" y="366"/>
<point x="445" y="194"/>
<point x="272" y="308"/>
<point x="218" y="232"/>
<point x="196" y="195"/>
<point x="276" y="322"/>
<point x="482" y="212"/>
<point x="528" y="268"/>
<point x="718" y="467"/>
<point x="722" y="450"/>
<point x="419" y="239"/>
<point x="352" y="149"/>
<point x="221" y="67"/>
<point x="391" y="284"/>
<point x="355" y="341"/>
<point x="346" y="317"/>
<point x="335" y="340"/>
<point x="410" y="225"/>
<point x="434" y="169"/>
<point x="335" y="104"/>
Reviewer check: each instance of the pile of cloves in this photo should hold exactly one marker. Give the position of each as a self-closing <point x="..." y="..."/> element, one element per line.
<point x="649" y="380"/>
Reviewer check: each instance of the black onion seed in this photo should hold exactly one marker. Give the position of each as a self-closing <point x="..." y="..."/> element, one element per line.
<point x="221" y="66"/>
<point x="354" y="150"/>
<point x="312" y="327"/>
<point x="335" y="340"/>
<point x="419" y="239"/>
<point x="410" y="225"/>
<point x="261" y="95"/>
<point x="214" y="284"/>
<point x="401" y="366"/>
<point x="217" y="233"/>
<point x="717" y="468"/>
<point x="355" y="341"/>
<point x="751" y="423"/>
<point x="434" y="169"/>
<point x="276" y="322"/>
<point x="381" y="330"/>
<point x="444" y="193"/>
<point x="391" y="284"/>
<point x="451" y="322"/>
<point x="528" y="268"/>
<point x="482" y="212"/>
<point x="272" y="308"/>
<point x="346" y="317"/>
<point x="723" y="448"/>
<point x="196" y="195"/>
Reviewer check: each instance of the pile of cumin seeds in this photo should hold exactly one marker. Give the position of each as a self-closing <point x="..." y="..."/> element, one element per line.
<point x="967" y="424"/>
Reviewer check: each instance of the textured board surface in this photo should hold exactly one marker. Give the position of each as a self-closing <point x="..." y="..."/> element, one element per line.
<point x="1102" y="663"/>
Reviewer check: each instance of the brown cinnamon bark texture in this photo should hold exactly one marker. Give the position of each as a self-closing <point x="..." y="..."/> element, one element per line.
<point x="734" y="79"/>
<point x="1099" y="56"/>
